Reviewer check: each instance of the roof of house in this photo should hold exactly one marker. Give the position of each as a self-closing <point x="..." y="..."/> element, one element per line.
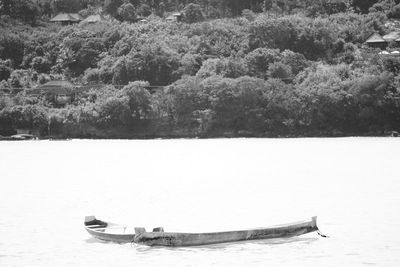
<point x="56" y="87"/>
<point x="375" y="38"/>
<point x="76" y="16"/>
<point x="392" y="36"/>
<point x="94" y="18"/>
<point x="174" y="16"/>
<point x="66" y="17"/>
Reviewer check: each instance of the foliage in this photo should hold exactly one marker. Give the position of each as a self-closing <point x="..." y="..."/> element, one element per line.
<point x="26" y="116"/>
<point x="26" y="10"/>
<point x="278" y="70"/>
<point x="236" y="68"/>
<point x="139" y="99"/>
<point x="12" y="47"/>
<point x="40" y="64"/>
<point x="193" y="13"/>
<point x="127" y="12"/>
<point x="5" y="70"/>
<point x="258" y="61"/>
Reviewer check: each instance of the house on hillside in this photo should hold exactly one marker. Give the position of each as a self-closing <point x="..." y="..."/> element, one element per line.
<point x="175" y="17"/>
<point x="378" y="41"/>
<point x="94" y="18"/>
<point x="59" y="91"/>
<point x="33" y="131"/>
<point x="392" y="36"/>
<point x="67" y="18"/>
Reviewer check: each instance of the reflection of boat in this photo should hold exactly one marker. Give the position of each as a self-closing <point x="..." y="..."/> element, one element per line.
<point x="116" y="233"/>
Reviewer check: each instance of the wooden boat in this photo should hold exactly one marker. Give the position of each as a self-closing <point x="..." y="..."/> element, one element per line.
<point x="103" y="231"/>
<point x="107" y="231"/>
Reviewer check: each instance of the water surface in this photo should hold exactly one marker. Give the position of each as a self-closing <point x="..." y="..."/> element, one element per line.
<point x="351" y="184"/>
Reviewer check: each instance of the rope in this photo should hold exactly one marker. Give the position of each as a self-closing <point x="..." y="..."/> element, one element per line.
<point x="322" y="235"/>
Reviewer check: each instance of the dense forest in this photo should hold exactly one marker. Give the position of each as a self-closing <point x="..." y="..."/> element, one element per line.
<point x="228" y="68"/>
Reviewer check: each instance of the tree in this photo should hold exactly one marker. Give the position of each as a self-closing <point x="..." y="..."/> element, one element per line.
<point x="193" y="13"/>
<point x="67" y="6"/>
<point x="144" y="10"/>
<point x="236" y="103"/>
<point x="259" y="60"/>
<point x="155" y="62"/>
<point x="248" y="14"/>
<point x="395" y="12"/>
<point x="376" y="102"/>
<point x="278" y="32"/>
<point x="127" y="12"/>
<point x="25" y="10"/>
<point x="79" y="51"/>
<point x="40" y="64"/>
<point x="363" y="5"/>
<point x="5" y="69"/>
<point x="161" y="9"/>
<point x="27" y="116"/>
<point x="296" y="61"/>
<point x="139" y="99"/>
<point x="229" y="68"/>
<point x="190" y="64"/>
<point x="113" y="111"/>
<point x="267" y="5"/>
<point x="12" y="47"/>
<point x="111" y="7"/>
<point x="280" y="71"/>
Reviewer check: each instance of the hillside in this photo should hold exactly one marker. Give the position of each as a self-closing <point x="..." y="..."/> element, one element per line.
<point x="225" y="68"/>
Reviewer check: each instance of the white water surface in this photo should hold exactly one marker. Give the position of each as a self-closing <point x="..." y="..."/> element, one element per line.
<point x="351" y="184"/>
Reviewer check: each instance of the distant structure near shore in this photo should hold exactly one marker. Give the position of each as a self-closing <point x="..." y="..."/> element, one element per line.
<point x="59" y="91"/>
<point x="67" y="18"/>
<point x="175" y="17"/>
<point x="378" y="41"/>
<point x="94" y="18"/>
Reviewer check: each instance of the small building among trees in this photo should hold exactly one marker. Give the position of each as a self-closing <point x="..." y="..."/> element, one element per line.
<point x="94" y="18"/>
<point x="67" y="18"/>
<point x="59" y="91"/>
<point x="378" y="41"/>
<point x="175" y="17"/>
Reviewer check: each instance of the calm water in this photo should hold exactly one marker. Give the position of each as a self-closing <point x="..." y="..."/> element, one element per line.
<point x="351" y="184"/>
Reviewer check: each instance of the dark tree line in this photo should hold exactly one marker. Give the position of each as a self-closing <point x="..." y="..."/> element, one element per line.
<point x="264" y="68"/>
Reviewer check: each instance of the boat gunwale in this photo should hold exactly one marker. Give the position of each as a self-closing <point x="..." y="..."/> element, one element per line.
<point x="311" y="222"/>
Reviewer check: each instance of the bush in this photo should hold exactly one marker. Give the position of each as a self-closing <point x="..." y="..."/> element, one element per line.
<point x="40" y="64"/>
<point x="5" y="71"/>
<point x="248" y="14"/>
<point x="279" y="70"/>
<point x="127" y="12"/>
<point x="28" y="116"/>
<point x="91" y="76"/>
<point x="229" y="68"/>
<point x="12" y="47"/>
<point x="192" y="13"/>
<point x="139" y="99"/>
<point x="259" y="60"/>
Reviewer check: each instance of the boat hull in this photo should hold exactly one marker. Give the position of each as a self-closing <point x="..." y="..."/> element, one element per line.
<point x="200" y="239"/>
<point x="109" y="237"/>
<point x="98" y="229"/>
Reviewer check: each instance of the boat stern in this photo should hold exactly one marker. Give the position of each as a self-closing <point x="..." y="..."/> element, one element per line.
<point x="92" y="222"/>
